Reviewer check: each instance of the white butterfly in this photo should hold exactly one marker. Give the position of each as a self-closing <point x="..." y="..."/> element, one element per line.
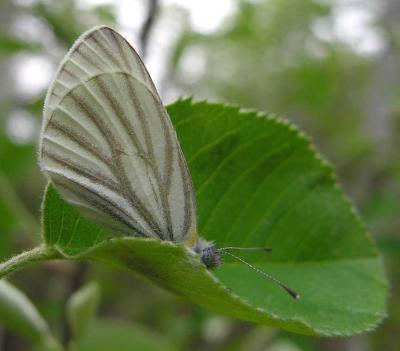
<point x="109" y="147"/>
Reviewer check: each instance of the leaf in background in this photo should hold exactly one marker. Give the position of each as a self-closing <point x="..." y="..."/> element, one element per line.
<point x="105" y="13"/>
<point x="15" y="162"/>
<point x="63" y="19"/>
<point x="258" y="183"/>
<point x="68" y="19"/>
<point x="82" y="307"/>
<point x="15" y="159"/>
<point x="8" y="217"/>
<point x="111" y="335"/>
<point x="19" y="315"/>
<point x="9" y="45"/>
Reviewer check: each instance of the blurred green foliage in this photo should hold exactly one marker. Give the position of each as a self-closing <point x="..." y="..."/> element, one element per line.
<point x="270" y="55"/>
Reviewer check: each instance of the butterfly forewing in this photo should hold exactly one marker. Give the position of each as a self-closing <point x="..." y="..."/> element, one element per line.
<point x="108" y="145"/>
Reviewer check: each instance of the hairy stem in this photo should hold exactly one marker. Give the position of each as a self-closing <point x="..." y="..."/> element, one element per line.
<point x="37" y="254"/>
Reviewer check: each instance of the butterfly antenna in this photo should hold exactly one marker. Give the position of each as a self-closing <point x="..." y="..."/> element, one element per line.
<point x="291" y="292"/>
<point x="267" y="249"/>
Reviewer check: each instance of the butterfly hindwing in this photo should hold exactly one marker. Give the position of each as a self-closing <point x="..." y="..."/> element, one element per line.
<point x="108" y="145"/>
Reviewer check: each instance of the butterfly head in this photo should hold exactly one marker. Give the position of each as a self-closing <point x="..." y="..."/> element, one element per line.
<point x="208" y="252"/>
<point x="211" y="256"/>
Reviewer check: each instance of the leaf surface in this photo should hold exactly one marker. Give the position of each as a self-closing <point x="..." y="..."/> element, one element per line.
<point x="82" y="308"/>
<point x="20" y="316"/>
<point x="258" y="182"/>
<point x="111" y="335"/>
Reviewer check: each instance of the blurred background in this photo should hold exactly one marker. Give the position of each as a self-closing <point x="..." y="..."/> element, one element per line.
<point x="331" y="67"/>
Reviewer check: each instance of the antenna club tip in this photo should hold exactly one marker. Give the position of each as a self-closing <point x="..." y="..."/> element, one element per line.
<point x="292" y="293"/>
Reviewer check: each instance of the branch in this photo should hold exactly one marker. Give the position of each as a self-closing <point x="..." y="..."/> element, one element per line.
<point x="152" y="12"/>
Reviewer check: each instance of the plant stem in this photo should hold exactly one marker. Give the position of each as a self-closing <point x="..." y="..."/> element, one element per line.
<point x="152" y="11"/>
<point x="26" y="258"/>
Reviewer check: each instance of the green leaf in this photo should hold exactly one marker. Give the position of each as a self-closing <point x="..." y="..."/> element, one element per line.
<point x="15" y="159"/>
<point x="9" y="45"/>
<point x="82" y="307"/>
<point x="110" y="335"/>
<point x="65" y="228"/>
<point x="105" y="13"/>
<point x="258" y="182"/>
<point x="13" y="213"/>
<point x="19" y="315"/>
